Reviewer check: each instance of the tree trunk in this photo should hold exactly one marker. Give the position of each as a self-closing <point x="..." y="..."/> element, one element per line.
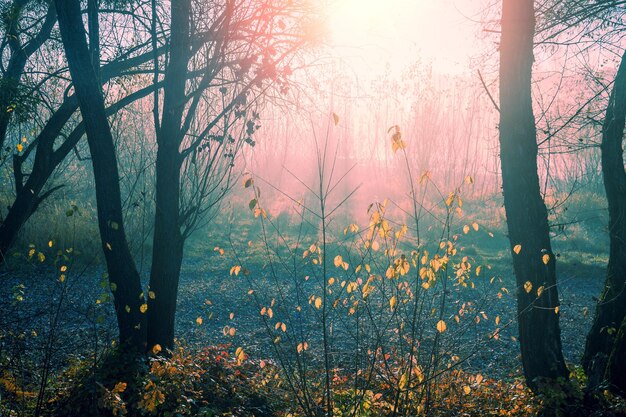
<point x="616" y="369"/>
<point x="123" y="275"/>
<point x="611" y="308"/>
<point x="527" y="218"/>
<point x="168" y="241"/>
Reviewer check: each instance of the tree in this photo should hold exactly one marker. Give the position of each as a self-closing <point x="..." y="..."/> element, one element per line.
<point x="58" y="134"/>
<point x="527" y="219"/>
<point x="168" y="241"/>
<point x="125" y="282"/>
<point x="207" y="118"/>
<point x="11" y="90"/>
<point x="604" y="351"/>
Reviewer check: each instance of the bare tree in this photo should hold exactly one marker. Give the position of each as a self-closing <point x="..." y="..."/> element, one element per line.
<point x="527" y="217"/>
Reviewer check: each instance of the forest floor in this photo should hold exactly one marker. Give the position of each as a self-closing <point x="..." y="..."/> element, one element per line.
<point x="77" y="316"/>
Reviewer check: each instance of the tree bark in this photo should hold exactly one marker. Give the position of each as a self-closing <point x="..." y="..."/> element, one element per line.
<point x="123" y="275"/>
<point x="527" y="218"/>
<point x="611" y="308"/>
<point x="168" y="241"/>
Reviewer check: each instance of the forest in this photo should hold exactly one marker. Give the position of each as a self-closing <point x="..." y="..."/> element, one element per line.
<point x="301" y="208"/>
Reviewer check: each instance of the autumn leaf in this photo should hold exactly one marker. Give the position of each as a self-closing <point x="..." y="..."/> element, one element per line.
<point x="441" y="326"/>
<point x="517" y="249"/>
<point x="392" y="302"/>
<point x="545" y="258"/>
<point x="404" y="379"/>
<point x="528" y="286"/>
<point x="199" y="321"/>
<point x="143" y="308"/>
<point x="240" y="355"/>
<point x="335" y="119"/>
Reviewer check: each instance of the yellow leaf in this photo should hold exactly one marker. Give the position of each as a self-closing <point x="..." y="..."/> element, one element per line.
<point x="151" y="295"/>
<point x="497" y="320"/>
<point x="557" y="309"/>
<point x="20" y="147"/>
<point x="240" y="355"/>
<point x="50" y="243"/>
<point x="545" y="258"/>
<point x="232" y="331"/>
<point x="391" y="272"/>
<point x="119" y="387"/>
<point x="156" y="349"/>
<point x="392" y="302"/>
<point x="63" y="268"/>
<point x="475" y="226"/>
<point x="199" y="321"/>
<point x="62" y="278"/>
<point x="41" y="257"/>
<point x="517" y="249"/>
<point x="528" y="286"/>
<point x="235" y="270"/>
<point x="466" y="389"/>
<point x="539" y="291"/>
<point x="270" y="313"/>
<point x="404" y="379"/>
<point x="143" y="308"/>
<point x="479" y="379"/>
<point x="466" y="229"/>
<point x="338" y="261"/>
<point x="441" y="326"/>
<point x="450" y="199"/>
<point x="469" y="180"/>
<point x="318" y="303"/>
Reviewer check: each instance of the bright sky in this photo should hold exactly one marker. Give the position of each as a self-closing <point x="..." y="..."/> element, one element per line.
<point x="371" y="33"/>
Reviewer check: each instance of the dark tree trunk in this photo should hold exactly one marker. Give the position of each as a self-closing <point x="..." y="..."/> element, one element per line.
<point x="527" y="218"/>
<point x="168" y="241"/>
<point x="28" y="194"/>
<point x="616" y="369"/>
<point x="611" y="308"/>
<point x="123" y="275"/>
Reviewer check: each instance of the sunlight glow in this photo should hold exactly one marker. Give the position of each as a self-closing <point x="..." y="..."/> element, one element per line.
<point x="399" y="32"/>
